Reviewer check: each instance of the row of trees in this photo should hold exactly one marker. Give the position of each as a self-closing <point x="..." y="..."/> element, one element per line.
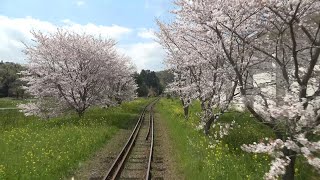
<point x="10" y="85"/>
<point x="216" y="48"/>
<point x="148" y="83"/>
<point x="67" y="70"/>
<point x="166" y="77"/>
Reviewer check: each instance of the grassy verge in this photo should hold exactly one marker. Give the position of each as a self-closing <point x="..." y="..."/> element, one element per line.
<point x="201" y="157"/>
<point x="36" y="149"/>
<point x="11" y="102"/>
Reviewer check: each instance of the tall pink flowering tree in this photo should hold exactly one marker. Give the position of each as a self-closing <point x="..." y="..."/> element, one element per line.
<point x="200" y="70"/>
<point x="275" y="38"/>
<point x="67" y="70"/>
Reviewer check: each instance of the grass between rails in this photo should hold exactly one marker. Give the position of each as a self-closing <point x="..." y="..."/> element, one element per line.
<point x="31" y="148"/>
<point x="201" y="157"/>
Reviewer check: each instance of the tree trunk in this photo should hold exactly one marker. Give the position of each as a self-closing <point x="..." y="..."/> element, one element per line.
<point x="185" y="110"/>
<point x="6" y="90"/>
<point x="119" y="100"/>
<point x="182" y="102"/>
<point x="289" y="175"/>
<point x="80" y="113"/>
<point x="22" y="94"/>
<point x="250" y="88"/>
<point x="208" y="124"/>
<point x="280" y="89"/>
<point x="202" y="105"/>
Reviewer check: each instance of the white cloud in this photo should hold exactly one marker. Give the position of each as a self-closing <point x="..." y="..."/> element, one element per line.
<point x="14" y="31"/>
<point x="80" y="3"/>
<point x="113" y="31"/>
<point x="147" y="33"/>
<point x="147" y="55"/>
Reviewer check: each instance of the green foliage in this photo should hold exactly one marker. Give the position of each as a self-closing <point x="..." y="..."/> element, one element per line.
<point x="35" y="149"/>
<point x="166" y="77"/>
<point x="202" y="157"/>
<point x="148" y="83"/>
<point x="246" y="130"/>
<point x="10" y="85"/>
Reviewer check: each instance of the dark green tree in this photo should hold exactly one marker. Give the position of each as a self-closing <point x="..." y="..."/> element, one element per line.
<point x="166" y="77"/>
<point x="148" y="83"/>
<point x="10" y="85"/>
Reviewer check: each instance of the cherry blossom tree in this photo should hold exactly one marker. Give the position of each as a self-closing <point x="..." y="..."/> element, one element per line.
<point x="275" y="38"/>
<point x="199" y="68"/>
<point x="124" y="86"/>
<point x="183" y="84"/>
<point x="287" y="34"/>
<point x="67" y="70"/>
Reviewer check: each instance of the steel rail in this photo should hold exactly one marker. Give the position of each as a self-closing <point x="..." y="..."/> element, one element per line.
<point x="115" y="169"/>
<point x="150" y="126"/>
<point x="148" y="176"/>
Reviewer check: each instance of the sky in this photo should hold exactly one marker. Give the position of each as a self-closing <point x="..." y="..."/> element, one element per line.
<point x="130" y="22"/>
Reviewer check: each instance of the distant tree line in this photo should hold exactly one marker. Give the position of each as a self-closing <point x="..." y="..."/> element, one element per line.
<point x="10" y="84"/>
<point x="152" y="83"/>
<point x="165" y="77"/>
<point x="149" y="83"/>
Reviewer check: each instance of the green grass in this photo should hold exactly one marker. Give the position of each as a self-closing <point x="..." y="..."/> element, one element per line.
<point x="200" y="157"/>
<point x="10" y="102"/>
<point x="31" y="148"/>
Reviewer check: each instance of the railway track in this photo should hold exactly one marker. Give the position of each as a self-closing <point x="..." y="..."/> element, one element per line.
<point x="135" y="159"/>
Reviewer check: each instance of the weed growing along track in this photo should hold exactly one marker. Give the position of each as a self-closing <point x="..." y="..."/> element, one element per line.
<point x="31" y="148"/>
<point x="198" y="158"/>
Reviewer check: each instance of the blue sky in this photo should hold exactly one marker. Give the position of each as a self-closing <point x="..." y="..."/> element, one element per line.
<point x="130" y="22"/>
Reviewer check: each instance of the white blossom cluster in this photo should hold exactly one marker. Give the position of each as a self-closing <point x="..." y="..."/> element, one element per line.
<point x="224" y="129"/>
<point x="275" y="149"/>
<point x="278" y="167"/>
